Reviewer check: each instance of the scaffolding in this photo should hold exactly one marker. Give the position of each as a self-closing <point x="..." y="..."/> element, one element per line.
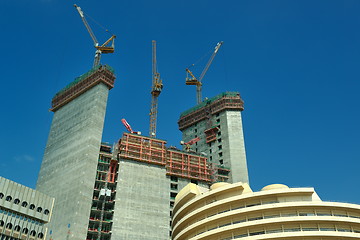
<point x="103" y="202"/>
<point x="211" y="134"/>
<point x="99" y="74"/>
<point x="187" y="165"/>
<point x="223" y="101"/>
<point x="177" y="163"/>
<point x="143" y="149"/>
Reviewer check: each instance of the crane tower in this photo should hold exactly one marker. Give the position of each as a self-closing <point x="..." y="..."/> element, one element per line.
<point x="155" y="92"/>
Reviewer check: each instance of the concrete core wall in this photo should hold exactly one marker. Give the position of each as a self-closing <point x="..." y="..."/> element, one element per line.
<point x="229" y="147"/>
<point x="142" y="202"/>
<point x="69" y="165"/>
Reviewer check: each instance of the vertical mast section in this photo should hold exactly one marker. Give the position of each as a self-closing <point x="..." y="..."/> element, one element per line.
<point x="155" y="92"/>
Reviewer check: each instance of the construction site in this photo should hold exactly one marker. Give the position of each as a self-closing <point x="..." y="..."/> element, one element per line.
<point x="127" y="189"/>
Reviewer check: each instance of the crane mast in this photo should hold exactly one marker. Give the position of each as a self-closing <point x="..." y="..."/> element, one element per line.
<point x="192" y="80"/>
<point x="155" y="92"/>
<point x="104" y="48"/>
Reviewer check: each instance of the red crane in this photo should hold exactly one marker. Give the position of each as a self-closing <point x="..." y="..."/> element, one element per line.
<point x="128" y="127"/>
<point x="189" y="143"/>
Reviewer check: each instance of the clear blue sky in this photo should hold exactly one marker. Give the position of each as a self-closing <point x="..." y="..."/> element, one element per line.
<point x="295" y="63"/>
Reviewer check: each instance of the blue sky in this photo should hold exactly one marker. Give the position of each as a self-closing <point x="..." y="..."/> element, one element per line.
<point x="295" y="64"/>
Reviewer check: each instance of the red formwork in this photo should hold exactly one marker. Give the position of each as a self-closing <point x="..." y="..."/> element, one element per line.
<point x="178" y="163"/>
<point x="211" y="134"/>
<point x="144" y="149"/>
<point x="187" y="165"/>
<point x="112" y="171"/>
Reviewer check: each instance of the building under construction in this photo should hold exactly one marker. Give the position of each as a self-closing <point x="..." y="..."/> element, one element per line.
<point x="217" y="122"/>
<point x="143" y="177"/>
<point x="128" y="187"/>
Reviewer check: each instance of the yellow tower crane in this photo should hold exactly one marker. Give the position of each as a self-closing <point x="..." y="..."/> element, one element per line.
<point x="104" y="48"/>
<point x="192" y="80"/>
<point x="155" y="92"/>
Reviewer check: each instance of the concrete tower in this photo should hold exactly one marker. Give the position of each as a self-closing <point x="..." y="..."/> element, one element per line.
<point x="217" y="122"/>
<point x="71" y="156"/>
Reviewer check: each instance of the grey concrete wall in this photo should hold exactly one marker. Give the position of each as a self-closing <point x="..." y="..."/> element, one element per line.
<point x="142" y="202"/>
<point x="69" y="165"/>
<point x="229" y="147"/>
<point x="235" y="156"/>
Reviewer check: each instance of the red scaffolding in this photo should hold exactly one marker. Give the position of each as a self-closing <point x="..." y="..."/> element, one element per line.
<point x="153" y="151"/>
<point x="142" y="149"/>
<point x="186" y="165"/>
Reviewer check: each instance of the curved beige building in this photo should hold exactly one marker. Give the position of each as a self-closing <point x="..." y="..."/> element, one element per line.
<point x="234" y="211"/>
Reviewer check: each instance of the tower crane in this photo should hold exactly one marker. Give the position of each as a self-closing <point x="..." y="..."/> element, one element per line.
<point x="155" y="92"/>
<point x="192" y="80"/>
<point x="105" y="47"/>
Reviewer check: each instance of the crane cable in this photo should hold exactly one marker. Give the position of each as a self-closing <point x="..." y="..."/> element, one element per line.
<point x="97" y="23"/>
<point x="200" y="59"/>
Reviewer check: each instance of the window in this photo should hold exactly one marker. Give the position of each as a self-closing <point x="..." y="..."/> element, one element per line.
<point x="8" y="198"/>
<point x="174" y="179"/>
<point x="220" y="154"/>
<point x="219" y="140"/>
<point x="9" y="226"/>
<point x="220" y="147"/>
<point x="39" y="209"/>
<point x="46" y="212"/>
<point x="33" y="233"/>
<point x="40" y="235"/>
<point x="24" y="204"/>
<point x="257" y="233"/>
<point x="17" y="228"/>
<point x="17" y="201"/>
<point x="221" y="162"/>
<point x="194" y="181"/>
<point x="195" y="130"/>
<point x="173" y="195"/>
<point x="2" y="223"/>
<point x="32" y="206"/>
<point x="172" y="204"/>
<point x="25" y="230"/>
<point x="210" y="150"/>
<point x="1" y="195"/>
<point x="173" y="186"/>
<point x="218" y="120"/>
<point x="219" y="133"/>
